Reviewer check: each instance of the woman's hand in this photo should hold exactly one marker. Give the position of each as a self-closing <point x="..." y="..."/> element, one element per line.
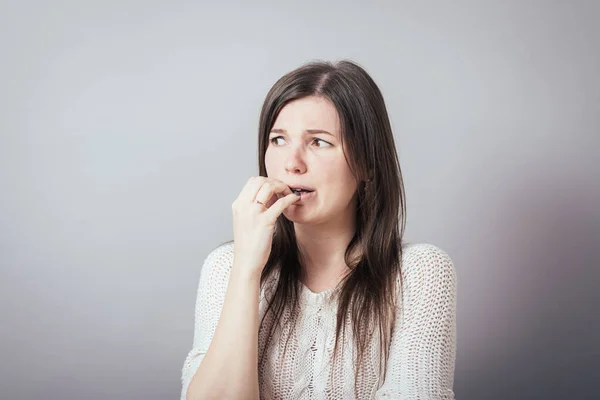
<point x="255" y="213"/>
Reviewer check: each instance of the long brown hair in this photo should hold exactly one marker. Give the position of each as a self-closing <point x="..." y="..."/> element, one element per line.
<point x="367" y="295"/>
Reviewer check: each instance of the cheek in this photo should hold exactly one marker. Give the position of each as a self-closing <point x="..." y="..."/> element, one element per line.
<point x="270" y="161"/>
<point x="337" y="169"/>
<point x="339" y="178"/>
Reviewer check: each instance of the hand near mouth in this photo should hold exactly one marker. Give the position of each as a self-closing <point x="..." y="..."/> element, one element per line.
<point x="255" y="213"/>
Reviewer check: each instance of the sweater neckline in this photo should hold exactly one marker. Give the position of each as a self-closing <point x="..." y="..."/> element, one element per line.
<point x="311" y="298"/>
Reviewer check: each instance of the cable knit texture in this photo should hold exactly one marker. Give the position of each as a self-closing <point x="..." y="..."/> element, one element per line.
<point x="422" y="351"/>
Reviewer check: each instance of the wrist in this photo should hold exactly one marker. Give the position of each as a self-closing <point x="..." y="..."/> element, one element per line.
<point x="246" y="272"/>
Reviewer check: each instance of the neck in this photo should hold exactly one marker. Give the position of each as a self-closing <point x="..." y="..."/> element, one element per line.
<point x="323" y="248"/>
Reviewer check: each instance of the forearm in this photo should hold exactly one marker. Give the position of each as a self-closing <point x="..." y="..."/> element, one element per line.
<point x="229" y="368"/>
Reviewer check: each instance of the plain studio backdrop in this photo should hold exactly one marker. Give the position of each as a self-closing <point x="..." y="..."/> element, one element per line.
<point x="128" y="128"/>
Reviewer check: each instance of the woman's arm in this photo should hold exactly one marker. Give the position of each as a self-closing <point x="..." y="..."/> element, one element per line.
<point x="227" y="331"/>
<point x="423" y="348"/>
<point x="223" y="363"/>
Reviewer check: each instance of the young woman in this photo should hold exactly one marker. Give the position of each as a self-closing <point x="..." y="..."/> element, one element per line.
<point x="317" y="297"/>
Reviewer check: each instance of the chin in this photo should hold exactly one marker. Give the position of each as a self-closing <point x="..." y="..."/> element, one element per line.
<point x="296" y="219"/>
<point x="297" y="216"/>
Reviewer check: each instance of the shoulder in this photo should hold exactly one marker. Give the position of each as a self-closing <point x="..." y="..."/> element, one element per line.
<point x="427" y="266"/>
<point x="424" y="255"/>
<point x="215" y="273"/>
<point x="219" y="258"/>
<point x="224" y="250"/>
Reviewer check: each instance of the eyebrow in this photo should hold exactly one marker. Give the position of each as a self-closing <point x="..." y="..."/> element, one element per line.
<point x="307" y="131"/>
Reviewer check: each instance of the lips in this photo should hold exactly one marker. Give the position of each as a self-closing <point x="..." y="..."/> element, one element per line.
<point x="304" y="196"/>
<point x="299" y="188"/>
<point x="304" y="192"/>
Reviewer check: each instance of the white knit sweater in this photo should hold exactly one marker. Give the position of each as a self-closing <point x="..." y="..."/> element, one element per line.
<point x="422" y="353"/>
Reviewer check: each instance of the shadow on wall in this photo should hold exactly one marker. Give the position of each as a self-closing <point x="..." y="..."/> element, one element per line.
<point x="540" y="324"/>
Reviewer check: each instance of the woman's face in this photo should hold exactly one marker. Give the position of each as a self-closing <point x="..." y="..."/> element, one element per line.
<point x="305" y="150"/>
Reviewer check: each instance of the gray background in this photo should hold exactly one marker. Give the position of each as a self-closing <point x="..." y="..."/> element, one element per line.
<point x="128" y="128"/>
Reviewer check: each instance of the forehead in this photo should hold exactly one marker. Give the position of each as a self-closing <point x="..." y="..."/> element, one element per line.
<point x="309" y="113"/>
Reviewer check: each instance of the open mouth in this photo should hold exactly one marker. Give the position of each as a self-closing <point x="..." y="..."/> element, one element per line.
<point x="301" y="190"/>
<point x="305" y="194"/>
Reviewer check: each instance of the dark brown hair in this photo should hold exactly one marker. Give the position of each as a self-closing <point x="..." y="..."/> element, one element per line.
<point x="367" y="295"/>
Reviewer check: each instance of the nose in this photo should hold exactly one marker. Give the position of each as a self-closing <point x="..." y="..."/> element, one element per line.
<point x="294" y="162"/>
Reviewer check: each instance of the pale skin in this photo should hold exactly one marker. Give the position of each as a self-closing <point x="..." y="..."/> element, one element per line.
<point x="325" y="224"/>
<point x="304" y="150"/>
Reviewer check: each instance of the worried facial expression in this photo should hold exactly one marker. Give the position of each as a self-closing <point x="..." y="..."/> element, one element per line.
<point x="305" y="152"/>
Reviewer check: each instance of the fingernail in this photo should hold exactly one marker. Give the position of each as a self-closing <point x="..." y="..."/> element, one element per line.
<point x="297" y="193"/>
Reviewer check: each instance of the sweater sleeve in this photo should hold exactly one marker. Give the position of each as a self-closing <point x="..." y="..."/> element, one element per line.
<point x="212" y="287"/>
<point x="423" y="347"/>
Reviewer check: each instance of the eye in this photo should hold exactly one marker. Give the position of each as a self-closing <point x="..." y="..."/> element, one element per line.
<point x="322" y="141"/>
<point x="274" y="139"/>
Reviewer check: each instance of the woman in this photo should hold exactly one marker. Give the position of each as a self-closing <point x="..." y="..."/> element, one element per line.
<point x="317" y="297"/>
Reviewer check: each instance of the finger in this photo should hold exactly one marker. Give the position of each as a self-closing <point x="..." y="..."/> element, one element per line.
<point x="280" y="205"/>
<point x="250" y="189"/>
<point x="268" y="192"/>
